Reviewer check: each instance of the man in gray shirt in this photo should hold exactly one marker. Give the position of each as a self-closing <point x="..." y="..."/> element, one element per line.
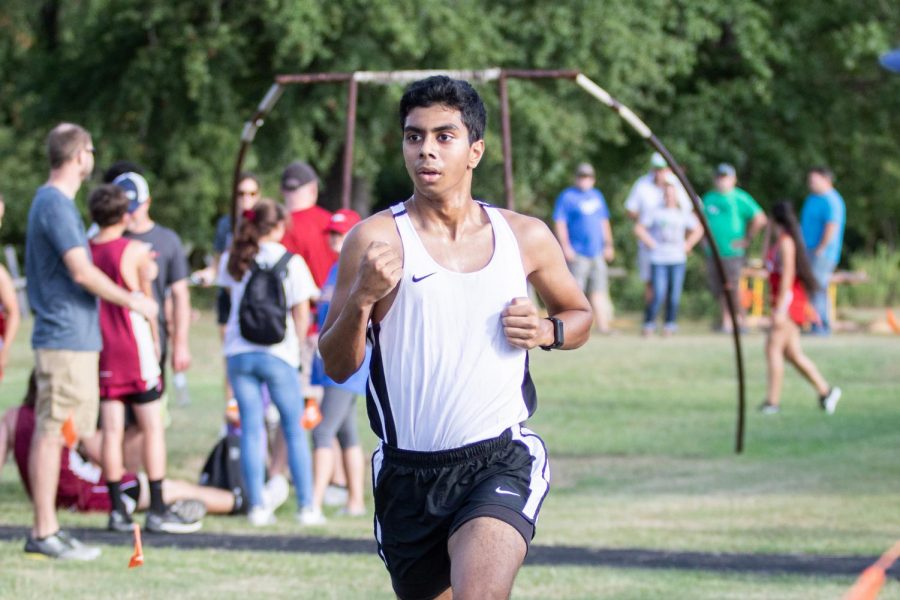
<point x="63" y="286"/>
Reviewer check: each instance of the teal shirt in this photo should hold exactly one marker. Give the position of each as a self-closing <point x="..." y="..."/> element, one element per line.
<point x="728" y="216"/>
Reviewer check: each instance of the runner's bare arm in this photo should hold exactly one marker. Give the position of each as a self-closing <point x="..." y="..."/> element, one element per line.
<point x="95" y="281"/>
<point x="138" y="272"/>
<point x="369" y="269"/>
<point x="546" y="269"/>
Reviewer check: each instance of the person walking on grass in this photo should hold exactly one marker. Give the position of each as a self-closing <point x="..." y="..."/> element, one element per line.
<point x="669" y="234"/>
<point x="256" y="249"/>
<point x="129" y="364"/>
<point x="791" y="280"/>
<point x="440" y="283"/>
<point x="63" y="286"/>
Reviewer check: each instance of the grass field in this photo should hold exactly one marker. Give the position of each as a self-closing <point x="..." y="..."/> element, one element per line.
<point x="640" y="434"/>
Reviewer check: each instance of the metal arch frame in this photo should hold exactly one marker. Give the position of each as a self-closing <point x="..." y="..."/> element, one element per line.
<point x="501" y="76"/>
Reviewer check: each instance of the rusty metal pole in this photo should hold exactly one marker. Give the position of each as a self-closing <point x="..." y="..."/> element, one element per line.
<point x="507" y="142"/>
<point x="347" y="174"/>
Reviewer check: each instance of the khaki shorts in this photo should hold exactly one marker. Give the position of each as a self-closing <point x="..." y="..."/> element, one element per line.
<point x="68" y="385"/>
<point x="590" y="273"/>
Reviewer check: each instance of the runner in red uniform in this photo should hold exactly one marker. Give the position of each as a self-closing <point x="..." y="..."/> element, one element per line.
<point x="129" y="361"/>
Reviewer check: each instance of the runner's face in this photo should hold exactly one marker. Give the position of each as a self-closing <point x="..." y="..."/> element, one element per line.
<point x="436" y="150"/>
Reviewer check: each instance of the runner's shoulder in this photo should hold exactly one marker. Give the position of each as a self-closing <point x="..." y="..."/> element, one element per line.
<point x="379" y="227"/>
<point x="530" y="232"/>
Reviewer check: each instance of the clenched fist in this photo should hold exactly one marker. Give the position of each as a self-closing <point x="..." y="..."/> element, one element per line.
<point x="379" y="272"/>
<point x="522" y="325"/>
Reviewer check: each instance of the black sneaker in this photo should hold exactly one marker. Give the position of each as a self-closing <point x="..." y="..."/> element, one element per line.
<point x="60" y="545"/>
<point x="119" y="521"/>
<point x="769" y="409"/>
<point x="170" y="522"/>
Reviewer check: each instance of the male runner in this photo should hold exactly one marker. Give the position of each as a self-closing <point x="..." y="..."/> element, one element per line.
<point x="441" y="278"/>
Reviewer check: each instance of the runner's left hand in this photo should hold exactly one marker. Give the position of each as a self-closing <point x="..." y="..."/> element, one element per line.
<point x="522" y="325"/>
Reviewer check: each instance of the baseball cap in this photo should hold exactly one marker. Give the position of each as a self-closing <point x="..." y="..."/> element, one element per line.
<point x="136" y="189"/>
<point x="585" y="170"/>
<point x="296" y="175"/>
<point x="343" y="220"/>
<point x="725" y="170"/>
<point x="891" y="60"/>
<point x="657" y="161"/>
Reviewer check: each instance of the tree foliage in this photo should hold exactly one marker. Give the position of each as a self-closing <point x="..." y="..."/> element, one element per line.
<point x="773" y="87"/>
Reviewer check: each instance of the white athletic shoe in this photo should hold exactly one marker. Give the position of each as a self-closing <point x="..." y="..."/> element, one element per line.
<point x="259" y="516"/>
<point x="829" y="402"/>
<point x="310" y="516"/>
<point x="335" y="495"/>
<point x="276" y="492"/>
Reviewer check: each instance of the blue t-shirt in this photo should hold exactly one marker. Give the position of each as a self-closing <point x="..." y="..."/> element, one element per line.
<point x="66" y="316"/>
<point x="583" y="212"/>
<point x="357" y="382"/>
<point x="819" y="210"/>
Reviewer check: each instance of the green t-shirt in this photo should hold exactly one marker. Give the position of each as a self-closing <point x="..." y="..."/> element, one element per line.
<point x="728" y="216"/>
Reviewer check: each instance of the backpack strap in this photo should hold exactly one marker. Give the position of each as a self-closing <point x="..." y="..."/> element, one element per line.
<point x="280" y="268"/>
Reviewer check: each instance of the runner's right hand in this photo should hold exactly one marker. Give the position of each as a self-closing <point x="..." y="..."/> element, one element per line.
<point x="379" y="272"/>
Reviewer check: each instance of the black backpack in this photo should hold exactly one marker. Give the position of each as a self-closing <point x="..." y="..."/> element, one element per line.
<point x="262" y="314"/>
<point x="223" y="470"/>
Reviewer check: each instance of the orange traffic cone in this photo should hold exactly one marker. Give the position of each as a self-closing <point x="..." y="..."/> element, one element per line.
<point x="70" y="435"/>
<point x="312" y="416"/>
<point x="137" y="559"/>
<point x="872" y="579"/>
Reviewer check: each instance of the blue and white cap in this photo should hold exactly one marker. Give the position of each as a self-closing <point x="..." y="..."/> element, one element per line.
<point x="136" y="189"/>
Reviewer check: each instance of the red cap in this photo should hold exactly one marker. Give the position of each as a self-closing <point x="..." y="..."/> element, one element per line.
<point x="343" y="220"/>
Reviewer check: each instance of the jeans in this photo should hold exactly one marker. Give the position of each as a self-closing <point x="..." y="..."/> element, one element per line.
<point x="823" y="267"/>
<point x="247" y="372"/>
<point x="668" y="281"/>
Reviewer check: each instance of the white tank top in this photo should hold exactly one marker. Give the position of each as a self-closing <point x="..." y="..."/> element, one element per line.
<point x="442" y="373"/>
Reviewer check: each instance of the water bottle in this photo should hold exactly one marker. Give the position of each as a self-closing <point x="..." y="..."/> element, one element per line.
<point x="182" y="396"/>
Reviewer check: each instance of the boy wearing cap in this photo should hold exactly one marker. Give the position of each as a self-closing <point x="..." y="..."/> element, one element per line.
<point x="129" y="360"/>
<point x="581" y="221"/>
<point x="308" y="234"/>
<point x="734" y="219"/>
<point x="172" y="280"/>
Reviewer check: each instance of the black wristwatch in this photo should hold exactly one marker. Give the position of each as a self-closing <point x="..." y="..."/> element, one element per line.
<point x="558" y="335"/>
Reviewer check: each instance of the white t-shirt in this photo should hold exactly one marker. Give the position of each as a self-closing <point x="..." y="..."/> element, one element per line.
<point x="298" y="288"/>
<point x="645" y="195"/>
<point x="667" y="227"/>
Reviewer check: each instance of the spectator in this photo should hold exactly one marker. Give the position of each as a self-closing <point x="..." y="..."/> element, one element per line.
<point x="581" y="220"/>
<point x="822" y="221"/>
<point x="173" y="271"/>
<point x="647" y="194"/>
<point x="339" y="399"/>
<point x="669" y="233"/>
<point x="734" y="219"/>
<point x="307" y="235"/>
<point x="251" y="364"/>
<point x="62" y="290"/>
<point x="9" y="309"/>
<point x="129" y="365"/>
<point x="791" y="279"/>
<point x="82" y="487"/>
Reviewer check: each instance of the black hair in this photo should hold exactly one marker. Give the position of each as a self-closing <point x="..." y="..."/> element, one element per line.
<point x="783" y="214"/>
<point x="119" y="167"/>
<point x="107" y="204"/>
<point x="245" y="175"/>
<point x="823" y="171"/>
<point x="260" y="220"/>
<point x="452" y="93"/>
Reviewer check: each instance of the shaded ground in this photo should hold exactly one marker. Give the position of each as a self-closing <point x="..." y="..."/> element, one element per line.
<point x="631" y="558"/>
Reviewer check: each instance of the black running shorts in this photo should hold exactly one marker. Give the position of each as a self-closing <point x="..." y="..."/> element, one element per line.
<point x="422" y="498"/>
